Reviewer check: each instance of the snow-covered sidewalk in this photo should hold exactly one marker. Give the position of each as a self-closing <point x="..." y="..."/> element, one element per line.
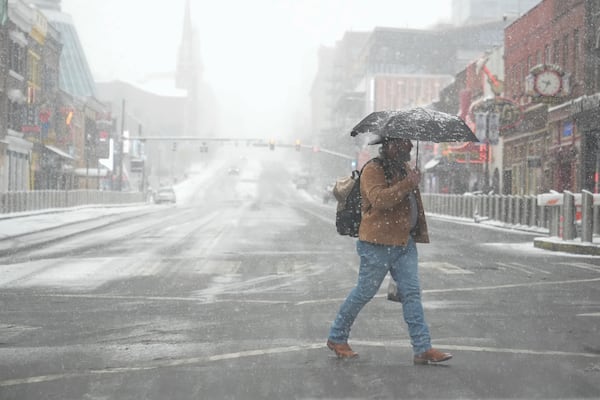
<point x="17" y="224"/>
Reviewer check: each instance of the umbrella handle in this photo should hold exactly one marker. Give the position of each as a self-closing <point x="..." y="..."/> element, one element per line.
<point x="417" y="157"/>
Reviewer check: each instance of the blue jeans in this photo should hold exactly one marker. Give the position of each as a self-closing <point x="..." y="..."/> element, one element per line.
<point x="375" y="262"/>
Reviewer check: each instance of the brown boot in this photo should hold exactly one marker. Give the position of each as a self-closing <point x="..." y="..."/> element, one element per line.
<point x="431" y="356"/>
<point x="342" y="350"/>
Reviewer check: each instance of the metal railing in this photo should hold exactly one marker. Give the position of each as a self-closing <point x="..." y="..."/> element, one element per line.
<point x="564" y="215"/>
<point x="23" y="201"/>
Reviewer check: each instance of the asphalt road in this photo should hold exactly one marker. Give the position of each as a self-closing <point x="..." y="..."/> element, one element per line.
<point x="230" y="294"/>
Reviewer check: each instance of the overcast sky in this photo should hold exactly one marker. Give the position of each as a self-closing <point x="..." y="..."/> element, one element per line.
<point x="259" y="55"/>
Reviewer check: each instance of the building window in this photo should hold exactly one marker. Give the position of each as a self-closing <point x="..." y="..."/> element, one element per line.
<point x="15" y="116"/>
<point x="33" y="62"/>
<point x="556" y="52"/>
<point x="547" y="54"/>
<point x="16" y="60"/>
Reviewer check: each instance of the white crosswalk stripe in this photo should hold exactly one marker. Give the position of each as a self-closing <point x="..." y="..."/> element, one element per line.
<point x="444" y="267"/>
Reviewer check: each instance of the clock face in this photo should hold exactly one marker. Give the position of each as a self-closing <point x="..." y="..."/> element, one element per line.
<point x="548" y="83"/>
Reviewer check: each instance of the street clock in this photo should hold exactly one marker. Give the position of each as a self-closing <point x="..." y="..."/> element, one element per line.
<point x="548" y="83"/>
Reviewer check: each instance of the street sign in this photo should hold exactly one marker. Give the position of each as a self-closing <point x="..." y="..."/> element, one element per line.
<point x="510" y="113"/>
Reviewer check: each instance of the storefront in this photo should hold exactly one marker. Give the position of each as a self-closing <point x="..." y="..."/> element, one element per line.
<point x="585" y="114"/>
<point x="459" y="169"/>
<point x="56" y="171"/>
<point x="564" y="153"/>
<point x="524" y="154"/>
<point x="15" y="163"/>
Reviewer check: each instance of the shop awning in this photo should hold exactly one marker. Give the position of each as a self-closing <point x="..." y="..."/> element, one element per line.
<point x="467" y="153"/>
<point x="59" y="152"/>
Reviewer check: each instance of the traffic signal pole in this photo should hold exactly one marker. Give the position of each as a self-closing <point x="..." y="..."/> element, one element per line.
<point x="260" y="141"/>
<point x="121" y="142"/>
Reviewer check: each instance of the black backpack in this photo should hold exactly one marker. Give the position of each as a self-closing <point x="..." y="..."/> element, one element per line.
<point x="347" y="192"/>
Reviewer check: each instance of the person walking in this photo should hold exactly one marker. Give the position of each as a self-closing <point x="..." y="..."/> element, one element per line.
<point x="393" y="221"/>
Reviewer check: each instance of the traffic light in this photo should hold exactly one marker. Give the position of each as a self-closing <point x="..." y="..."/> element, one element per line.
<point x="297" y="144"/>
<point x="272" y="144"/>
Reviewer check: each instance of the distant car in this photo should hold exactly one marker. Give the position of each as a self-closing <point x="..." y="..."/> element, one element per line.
<point x="328" y="193"/>
<point x="165" y="195"/>
<point x="233" y="171"/>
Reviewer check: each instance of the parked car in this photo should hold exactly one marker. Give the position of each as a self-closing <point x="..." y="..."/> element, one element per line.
<point x="165" y="195"/>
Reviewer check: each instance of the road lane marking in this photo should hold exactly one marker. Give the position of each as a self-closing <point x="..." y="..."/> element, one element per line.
<point x="530" y="267"/>
<point x="510" y="286"/>
<point x="161" y="364"/>
<point x="489" y="349"/>
<point x="586" y="266"/>
<point x="444" y="267"/>
<point x="516" y="267"/>
<point x="221" y="267"/>
<point x="509" y="266"/>
<point x="468" y="289"/>
<point x="597" y="314"/>
<point x="153" y="298"/>
<point x="304" y="302"/>
<point x="273" y="351"/>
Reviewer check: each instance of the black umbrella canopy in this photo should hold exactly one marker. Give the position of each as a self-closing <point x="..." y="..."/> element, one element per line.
<point x="416" y="124"/>
<point x="373" y="122"/>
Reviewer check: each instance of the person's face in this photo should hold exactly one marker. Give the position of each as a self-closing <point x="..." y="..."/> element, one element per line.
<point x="398" y="149"/>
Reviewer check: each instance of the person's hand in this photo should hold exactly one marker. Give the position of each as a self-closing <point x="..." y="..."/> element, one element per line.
<point x="414" y="177"/>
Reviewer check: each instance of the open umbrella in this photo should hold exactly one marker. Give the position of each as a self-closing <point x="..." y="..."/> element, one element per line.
<point x="415" y="124"/>
<point x="372" y="122"/>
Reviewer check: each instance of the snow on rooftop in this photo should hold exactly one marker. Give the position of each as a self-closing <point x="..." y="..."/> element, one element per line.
<point x="162" y="84"/>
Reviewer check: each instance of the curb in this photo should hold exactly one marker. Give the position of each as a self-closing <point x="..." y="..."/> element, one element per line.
<point x="589" y="249"/>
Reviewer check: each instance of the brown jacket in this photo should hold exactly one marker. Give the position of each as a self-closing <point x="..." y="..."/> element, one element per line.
<point x="386" y="208"/>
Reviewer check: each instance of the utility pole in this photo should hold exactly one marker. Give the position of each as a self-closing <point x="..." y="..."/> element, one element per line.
<point x="486" y="177"/>
<point x="143" y="157"/>
<point x="121" y="133"/>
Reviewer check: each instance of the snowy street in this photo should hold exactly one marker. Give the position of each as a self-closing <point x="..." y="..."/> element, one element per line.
<point x="238" y="283"/>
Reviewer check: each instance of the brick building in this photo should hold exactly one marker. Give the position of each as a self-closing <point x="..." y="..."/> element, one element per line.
<point x="388" y="68"/>
<point x="552" y="74"/>
<point x="15" y="150"/>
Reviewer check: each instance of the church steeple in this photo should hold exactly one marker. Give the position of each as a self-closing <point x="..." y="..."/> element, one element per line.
<point x="189" y="66"/>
